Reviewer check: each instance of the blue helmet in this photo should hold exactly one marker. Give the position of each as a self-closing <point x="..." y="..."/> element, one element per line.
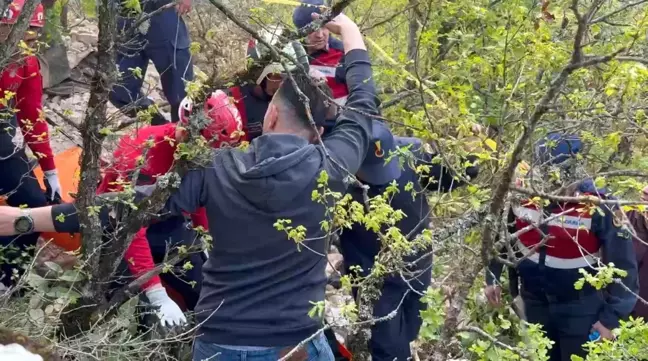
<point x="556" y="148"/>
<point x="302" y="13"/>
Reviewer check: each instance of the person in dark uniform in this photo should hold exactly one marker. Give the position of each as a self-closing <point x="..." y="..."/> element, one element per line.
<point x="164" y="40"/>
<point x="390" y="340"/>
<point x="579" y="239"/>
<point x="18" y="183"/>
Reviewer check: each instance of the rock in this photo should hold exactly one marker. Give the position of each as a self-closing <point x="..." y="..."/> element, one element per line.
<point x="49" y="252"/>
<point x="85" y="38"/>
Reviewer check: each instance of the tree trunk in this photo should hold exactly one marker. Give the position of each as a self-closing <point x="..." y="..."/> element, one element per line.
<point x="81" y="318"/>
<point x="17" y="32"/>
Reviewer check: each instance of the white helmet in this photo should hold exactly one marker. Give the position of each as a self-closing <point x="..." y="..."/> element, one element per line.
<point x="259" y="51"/>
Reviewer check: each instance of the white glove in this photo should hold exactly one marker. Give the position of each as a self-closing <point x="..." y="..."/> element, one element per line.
<point x="169" y="312"/>
<point x="54" y="183"/>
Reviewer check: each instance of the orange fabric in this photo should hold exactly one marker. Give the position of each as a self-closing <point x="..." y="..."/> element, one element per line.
<point x="68" y="171"/>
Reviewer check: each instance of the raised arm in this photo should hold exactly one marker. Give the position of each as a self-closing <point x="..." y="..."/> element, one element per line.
<point x="349" y="140"/>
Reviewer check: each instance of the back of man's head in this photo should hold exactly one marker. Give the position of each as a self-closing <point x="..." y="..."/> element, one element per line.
<point x="287" y="112"/>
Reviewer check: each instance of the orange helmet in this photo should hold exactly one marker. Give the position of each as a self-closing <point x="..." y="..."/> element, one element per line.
<point x="14" y="9"/>
<point x="225" y="125"/>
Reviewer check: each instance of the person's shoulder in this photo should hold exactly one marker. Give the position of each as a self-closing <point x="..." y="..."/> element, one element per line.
<point x="405" y="141"/>
<point x="588" y="187"/>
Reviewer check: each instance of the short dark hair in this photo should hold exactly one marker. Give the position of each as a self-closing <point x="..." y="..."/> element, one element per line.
<point x="317" y="94"/>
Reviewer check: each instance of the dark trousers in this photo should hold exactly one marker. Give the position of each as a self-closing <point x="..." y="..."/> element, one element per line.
<point x="163" y="238"/>
<point x="19" y="184"/>
<point x="566" y="322"/>
<point x="390" y="339"/>
<point x="173" y="64"/>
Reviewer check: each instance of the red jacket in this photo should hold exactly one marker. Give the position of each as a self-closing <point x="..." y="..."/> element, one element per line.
<point x="24" y="79"/>
<point x="328" y="62"/>
<point x="159" y="160"/>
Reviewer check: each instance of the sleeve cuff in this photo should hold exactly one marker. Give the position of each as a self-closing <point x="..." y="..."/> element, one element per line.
<point x="356" y="55"/>
<point x="47" y="163"/>
<point x="65" y="218"/>
<point x="609" y="319"/>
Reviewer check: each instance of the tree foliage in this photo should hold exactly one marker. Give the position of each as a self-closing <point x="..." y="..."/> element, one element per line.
<point x="445" y="69"/>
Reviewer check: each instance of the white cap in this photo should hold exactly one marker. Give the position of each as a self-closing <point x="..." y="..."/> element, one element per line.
<point x="272" y="37"/>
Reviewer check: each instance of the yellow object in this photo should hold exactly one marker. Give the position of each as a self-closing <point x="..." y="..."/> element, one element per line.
<point x="491" y="144"/>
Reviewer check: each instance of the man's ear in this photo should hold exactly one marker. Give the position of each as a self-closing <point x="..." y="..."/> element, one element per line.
<point x="271" y="117"/>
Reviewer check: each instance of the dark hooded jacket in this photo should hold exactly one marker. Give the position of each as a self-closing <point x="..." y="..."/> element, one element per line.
<point x="258" y="285"/>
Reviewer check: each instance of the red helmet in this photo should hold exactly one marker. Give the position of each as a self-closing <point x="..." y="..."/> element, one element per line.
<point x="38" y="18"/>
<point x="15" y="8"/>
<point x="225" y="126"/>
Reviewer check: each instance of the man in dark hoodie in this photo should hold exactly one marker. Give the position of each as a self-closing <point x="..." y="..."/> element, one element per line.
<point x="258" y="286"/>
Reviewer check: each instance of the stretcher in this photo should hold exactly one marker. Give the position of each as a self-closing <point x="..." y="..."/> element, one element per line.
<point x="67" y="164"/>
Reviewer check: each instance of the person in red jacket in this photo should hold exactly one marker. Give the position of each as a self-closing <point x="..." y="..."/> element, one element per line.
<point x="150" y="245"/>
<point x="21" y="107"/>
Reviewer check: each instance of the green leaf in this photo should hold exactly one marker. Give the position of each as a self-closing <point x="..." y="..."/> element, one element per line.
<point x="37" y="315"/>
<point x="72" y="276"/>
<point x="36" y="281"/>
<point x="53" y="266"/>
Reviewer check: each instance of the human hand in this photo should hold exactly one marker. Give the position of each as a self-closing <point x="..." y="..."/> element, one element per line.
<point x="169" y="312"/>
<point x="338" y="24"/>
<point x="493" y="294"/>
<point x="54" y="185"/>
<point x="8" y="216"/>
<point x="605" y="333"/>
<point x="183" y="7"/>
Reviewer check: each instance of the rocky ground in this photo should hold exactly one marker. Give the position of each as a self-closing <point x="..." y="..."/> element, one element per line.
<point x="69" y="99"/>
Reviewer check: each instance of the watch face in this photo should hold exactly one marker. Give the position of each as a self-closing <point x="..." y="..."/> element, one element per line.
<point x="23" y="225"/>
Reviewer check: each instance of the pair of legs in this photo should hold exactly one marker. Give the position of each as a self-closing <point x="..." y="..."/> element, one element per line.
<point x="390" y="339"/>
<point x="173" y="64"/>
<point x="19" y="184"/>
<point x="315" y="350"/>
<point x="183" y="282"/>
<point x="567" y="323"/>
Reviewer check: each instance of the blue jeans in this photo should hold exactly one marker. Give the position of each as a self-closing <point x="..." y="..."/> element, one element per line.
<point x="317" y="350"/>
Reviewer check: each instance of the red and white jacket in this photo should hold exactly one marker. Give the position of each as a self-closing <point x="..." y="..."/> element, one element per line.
<point x="330" y="63"/>
<point x="24" y="79"/>
<point x="159" y="160"/>
<point x="571" y="245"/>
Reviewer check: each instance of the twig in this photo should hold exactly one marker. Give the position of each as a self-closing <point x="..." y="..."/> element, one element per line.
<point x="615" y="12"/>
<point x="580" y="199"/>
<point x="388" y="316"/>
<point x="492" y="339"/>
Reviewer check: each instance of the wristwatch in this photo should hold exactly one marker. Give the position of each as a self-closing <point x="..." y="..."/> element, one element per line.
<point x="24" y="223"/>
